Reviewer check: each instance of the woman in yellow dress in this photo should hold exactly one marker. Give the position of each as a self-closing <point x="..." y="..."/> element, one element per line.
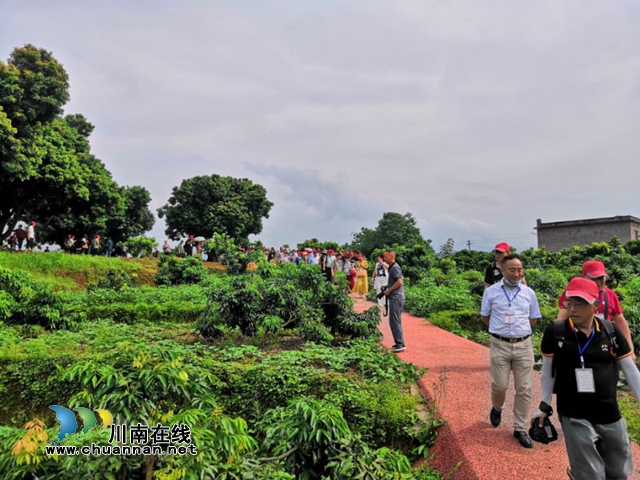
<point x="362" y="277"/>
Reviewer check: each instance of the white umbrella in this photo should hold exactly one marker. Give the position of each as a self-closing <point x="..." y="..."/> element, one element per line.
<point x="199" y="239"/>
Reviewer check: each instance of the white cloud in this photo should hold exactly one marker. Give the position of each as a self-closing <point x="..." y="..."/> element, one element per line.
<point x="477" y="117"/>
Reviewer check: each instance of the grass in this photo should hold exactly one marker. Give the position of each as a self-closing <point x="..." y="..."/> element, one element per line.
<point x="630" y="409"/>
<point x="74" y="272"/>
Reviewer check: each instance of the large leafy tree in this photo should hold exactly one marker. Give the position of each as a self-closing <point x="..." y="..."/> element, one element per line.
<point x="393" y="229"/>
<point x="47" y="172"/>
<point x="205" y="205"/>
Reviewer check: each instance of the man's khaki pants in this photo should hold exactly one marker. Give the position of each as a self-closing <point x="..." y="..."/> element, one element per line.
<point x="518" y="357"/>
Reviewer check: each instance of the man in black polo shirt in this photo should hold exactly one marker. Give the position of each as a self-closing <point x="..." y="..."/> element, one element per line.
<point x="585" y="356"/>
<point x="493" y="273"/>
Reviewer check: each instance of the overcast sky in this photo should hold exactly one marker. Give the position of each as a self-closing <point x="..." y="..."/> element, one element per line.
<point x="478" y="117"/>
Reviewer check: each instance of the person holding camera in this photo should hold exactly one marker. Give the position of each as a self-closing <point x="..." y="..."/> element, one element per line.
<point x="581" y="358"/>
<point x="395" y="297"/>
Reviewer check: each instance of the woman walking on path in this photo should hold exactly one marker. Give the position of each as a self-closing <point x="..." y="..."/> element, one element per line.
<point x="380" y="277"/>
<point x="362" y="278"/>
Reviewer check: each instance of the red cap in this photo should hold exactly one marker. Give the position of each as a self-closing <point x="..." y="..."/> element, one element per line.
<point x="583" y="288"/>
<point x="69" y="236"/>
<point x="97" y="236"/>
<point x="190" y="236"/>
<point x="33" y="223"/>
<point x="594" y="269"/>
<point x="502" y="247"/>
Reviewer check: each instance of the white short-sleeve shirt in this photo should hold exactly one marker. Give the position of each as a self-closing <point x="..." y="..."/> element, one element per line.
<point x="509" y="310"/>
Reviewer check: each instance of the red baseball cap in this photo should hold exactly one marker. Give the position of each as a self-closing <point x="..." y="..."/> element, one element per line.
<point x="583" y="288"/>
<point x="33" y="223"/>
<point x="594" y="269"/>
<point x="502" y="247"/>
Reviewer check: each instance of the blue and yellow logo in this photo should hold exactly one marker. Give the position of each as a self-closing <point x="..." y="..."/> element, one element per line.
<point x="69" y="424"/>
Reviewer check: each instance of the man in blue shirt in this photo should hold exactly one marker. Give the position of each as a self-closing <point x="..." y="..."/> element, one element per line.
<point x="510" y="309"/>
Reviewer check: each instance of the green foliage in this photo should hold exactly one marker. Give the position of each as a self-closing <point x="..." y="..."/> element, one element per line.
<point x="47" y="172"/>
<point x="179" y="271"/>
<point x="298" y="295"/>
<point x="548" y="284"/>
<point x="137" y="305"/>
<point x="141" y="245"/>
<point x="466" y="260"/>
<point x="415" y="260"/>
<point x="423" y="300"/>
<point x="77" y="269"/>
<point x="315" y="243"/>
<point x="25" y="301"/>
<point x="307" y="431"/>
<point x="114" y="280"/>
<point x="205" y="205"/>
<point x="393" y="229"/>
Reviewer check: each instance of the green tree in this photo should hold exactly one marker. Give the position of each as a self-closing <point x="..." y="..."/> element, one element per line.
<point x="33" y="89"/>
<point x="47" y="171"/>
<point x="446" y="249"/>
<point x="205" y="205"/>
<point x="393" y="229"/>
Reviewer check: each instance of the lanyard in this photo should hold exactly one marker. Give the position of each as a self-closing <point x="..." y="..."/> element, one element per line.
<point x="581" y="350"/>
<point x="510" y="300"/>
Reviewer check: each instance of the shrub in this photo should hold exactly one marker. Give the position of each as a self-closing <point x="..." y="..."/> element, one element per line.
<point x="179" y="271"/>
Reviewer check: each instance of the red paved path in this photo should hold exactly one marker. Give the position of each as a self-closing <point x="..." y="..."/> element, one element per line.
<point x="486" y="453"/>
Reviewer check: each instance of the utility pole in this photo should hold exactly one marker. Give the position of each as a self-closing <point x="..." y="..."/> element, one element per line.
<point x="469" y="245"/>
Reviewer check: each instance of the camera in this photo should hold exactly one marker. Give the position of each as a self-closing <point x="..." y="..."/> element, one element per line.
<point x="382" y="290"/>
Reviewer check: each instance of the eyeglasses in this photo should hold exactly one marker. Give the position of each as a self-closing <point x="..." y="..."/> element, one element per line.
<point x="575" y="304"/>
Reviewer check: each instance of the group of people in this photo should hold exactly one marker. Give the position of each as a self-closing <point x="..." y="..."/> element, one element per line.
<point x="20" y="237"/>
<point x="84" y="246"/>
<point x="582" y="354"/>
<point x="386" y="276"/>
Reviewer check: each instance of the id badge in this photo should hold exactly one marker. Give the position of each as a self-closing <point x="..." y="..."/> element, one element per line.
<point x="509" y="317"/>
<point x="584" y="380"/>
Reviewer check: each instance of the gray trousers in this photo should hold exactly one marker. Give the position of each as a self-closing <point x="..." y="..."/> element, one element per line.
<point x="597" y="451"/>
<point x="396" y="305"/>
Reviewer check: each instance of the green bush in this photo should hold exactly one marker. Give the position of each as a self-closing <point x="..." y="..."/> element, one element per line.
<point x="298" y="295"/>
<point x="425" y="301"/>
<point x="26" y="301"/>
<point x="179" y="271"/>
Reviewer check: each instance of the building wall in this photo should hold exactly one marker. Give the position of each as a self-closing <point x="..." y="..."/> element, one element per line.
<point x="582" y="233"/>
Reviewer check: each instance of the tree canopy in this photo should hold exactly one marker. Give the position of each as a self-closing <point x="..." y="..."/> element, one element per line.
<point x="205" y="205"/>
<point x="47" y="171"/>
<point x="393" y="229"/>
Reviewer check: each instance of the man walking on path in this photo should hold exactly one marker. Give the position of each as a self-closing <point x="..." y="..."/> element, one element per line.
<point x="395" y="294"/>
<point x="581" y="357"/>
<point x="608" y="303"/>
<point x="510" y="309"/>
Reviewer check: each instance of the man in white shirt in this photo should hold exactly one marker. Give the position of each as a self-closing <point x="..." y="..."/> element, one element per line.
<point x="31" y="237"/>
<point x="510" y="309"/>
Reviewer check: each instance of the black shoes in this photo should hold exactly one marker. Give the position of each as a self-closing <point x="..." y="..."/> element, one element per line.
<point x="523" y="438"/>
<point x="495" y="416"/>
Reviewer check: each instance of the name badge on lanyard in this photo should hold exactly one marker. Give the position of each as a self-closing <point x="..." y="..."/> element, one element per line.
<point x="584" y="376"/>
<point x="584" y="380"/>
<point x="510" y="314"/>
